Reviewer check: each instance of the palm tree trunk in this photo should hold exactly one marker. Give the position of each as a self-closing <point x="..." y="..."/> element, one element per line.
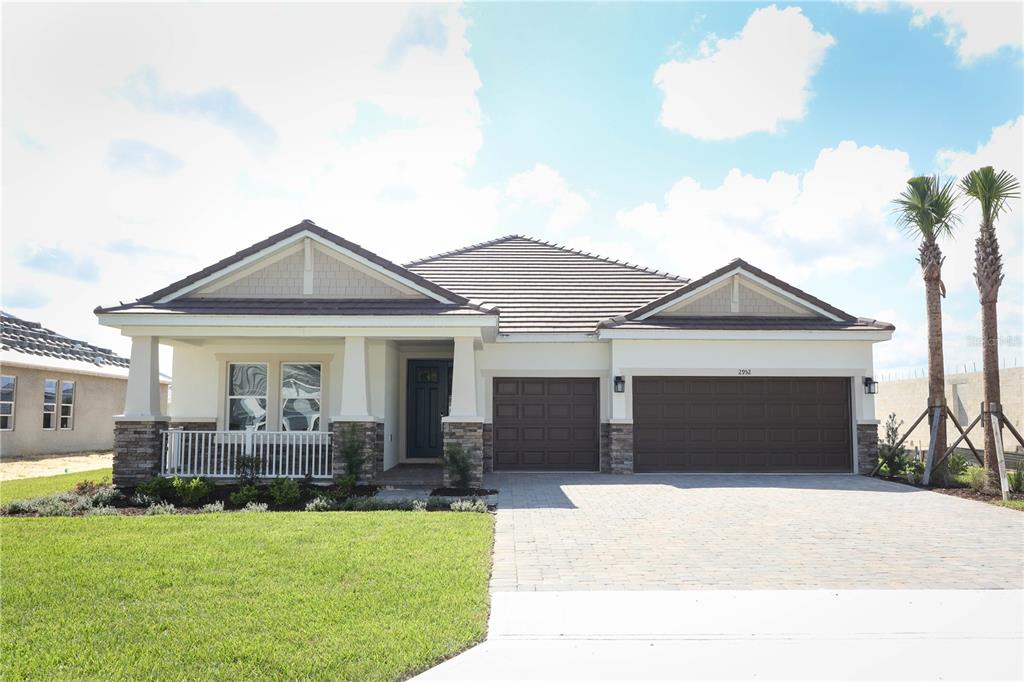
<point x="936" y="370"/>
<point x="990" y="371"/>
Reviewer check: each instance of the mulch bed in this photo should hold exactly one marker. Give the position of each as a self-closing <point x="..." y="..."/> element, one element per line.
<point x="968" y="494"/>
<point x="462" y="492"/>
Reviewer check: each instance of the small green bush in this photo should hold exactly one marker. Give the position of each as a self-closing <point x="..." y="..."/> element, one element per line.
<point x="957" y="465"/>
<point x="101" y="511"/>
<point x="257" y="507"/>
<point x="1015" y="478"/>
<point x="160" y="509"/>
<point x="284" y="491"/>
<point x="913" y="470"/>
<point x="158" y="488"/>
<point x="247" y="468"/>
<point x="976" y="478"/>
<point x="245" y="495"/>
<point x="457" y="462"/>
<point x="343" y="489"/>
<point x="212" y="508"/>
<point x="352" y="451"/>
<point x="893" y="459"/>
<point x="191" y="491"/>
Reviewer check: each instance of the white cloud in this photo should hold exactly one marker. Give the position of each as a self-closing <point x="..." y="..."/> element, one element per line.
<point x="543" y="186"/>
<point x="831" y="218"/>
<point x="749" y="83"/>
<point x="976" y="29"/>
<point x="401" y="191"/>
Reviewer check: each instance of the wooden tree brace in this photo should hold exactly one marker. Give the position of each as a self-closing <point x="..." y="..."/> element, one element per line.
<point x="963" y="435"/>
<point x="952" y="447"/>
<point x="930" y="455"/>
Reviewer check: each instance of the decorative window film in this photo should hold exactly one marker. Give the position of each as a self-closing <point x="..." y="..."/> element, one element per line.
<point x="300" y="396"/>
<point x="67" y="405"/>
<point x="50" y="404"/>
<point x="247" y="396"/>
<point x="8" y="389"/>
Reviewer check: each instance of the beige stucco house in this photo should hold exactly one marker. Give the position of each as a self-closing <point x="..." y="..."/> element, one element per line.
<point x="57" y="394"/>
<point x="532" y="356"/>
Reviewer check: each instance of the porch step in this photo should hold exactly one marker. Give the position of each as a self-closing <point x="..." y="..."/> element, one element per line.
<point x="405" y="475"/>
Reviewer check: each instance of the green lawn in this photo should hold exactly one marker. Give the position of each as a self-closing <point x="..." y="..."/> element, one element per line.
<point x="340" y="595"/>
<point x="1012" y="504"/>
<point x="25" y="488"/>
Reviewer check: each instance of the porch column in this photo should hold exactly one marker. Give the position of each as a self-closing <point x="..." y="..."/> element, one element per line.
<point x="142" y="398"/>
<point x="355" y="424"/>
<point x="464" y="426"/>
<point x="138" y="433"/>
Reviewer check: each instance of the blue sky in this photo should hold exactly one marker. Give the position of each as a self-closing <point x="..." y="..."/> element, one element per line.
<point x="676" y="135"/>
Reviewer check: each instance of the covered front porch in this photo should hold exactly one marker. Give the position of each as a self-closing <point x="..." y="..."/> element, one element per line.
<point x="299" y="406"/>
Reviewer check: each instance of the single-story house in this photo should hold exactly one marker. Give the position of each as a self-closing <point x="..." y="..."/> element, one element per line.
<point x="532" y="356"/>
<point x="57" y="394"/>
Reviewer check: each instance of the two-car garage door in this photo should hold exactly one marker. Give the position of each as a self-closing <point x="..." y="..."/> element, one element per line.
<point x="741" y="424"/>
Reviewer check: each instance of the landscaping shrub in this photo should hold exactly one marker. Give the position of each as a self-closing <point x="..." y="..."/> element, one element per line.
<point x="255" y="507"/>
<point x="157" y="488"/>
<point x="343" y="489"/>
<point x="1016" y="478"/>
<point x="472" y="505"/>
<point x="101" y="511"/>
<point x="191" y="491"/>
<point x="458" y="465"/>
<point x="976" y="478"/>
<point x="212" y="508"/>
<point x="957" y="465"/>
<point x="247" y="467"/>
<point x="893" y="459"/>
<point x="352" y="452"/>
<point x="143" y="500"/>
<point x="247" y="494"/>
<point x="913" y="470"/>
<point x="284" y="491"/>
<point x="83" y="497"/>
<point x="419" y="505"/>
<point x="160" y="509"/>
<point x="320" y="504"/>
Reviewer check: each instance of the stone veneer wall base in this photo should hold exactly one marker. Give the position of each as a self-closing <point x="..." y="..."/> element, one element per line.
<point x="471" y="436"/>
<point x="867" y="448"/>
<point x="137" y="452"/>
<point x="370" y="435"/>
<point x="621" y="448"/>
<point x="488" y="436"/>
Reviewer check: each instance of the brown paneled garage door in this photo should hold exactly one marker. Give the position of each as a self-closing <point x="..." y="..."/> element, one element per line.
<point x="546" y="424"/>
<point x="741" y="424"/>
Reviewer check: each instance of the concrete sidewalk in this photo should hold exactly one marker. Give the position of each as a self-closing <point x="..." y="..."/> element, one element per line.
<point x="748" y="634"/>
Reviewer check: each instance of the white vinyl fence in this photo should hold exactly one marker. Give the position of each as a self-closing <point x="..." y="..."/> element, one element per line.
<point x="215" y="454"/>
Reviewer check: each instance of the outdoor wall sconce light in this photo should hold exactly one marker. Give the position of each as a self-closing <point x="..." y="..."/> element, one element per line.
<point x="620" y="384"/>
<point x="870" y="386"/>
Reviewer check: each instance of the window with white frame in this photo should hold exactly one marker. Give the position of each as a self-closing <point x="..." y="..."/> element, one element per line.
<point x="300" y="396"/>
<point x="247" y="396"/>
<point x="8" y="389"/>
<point x="49" y="404"/>
<point x="67" y="405"/>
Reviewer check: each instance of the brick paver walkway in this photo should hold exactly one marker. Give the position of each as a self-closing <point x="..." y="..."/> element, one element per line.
<point x="603" y="532"/>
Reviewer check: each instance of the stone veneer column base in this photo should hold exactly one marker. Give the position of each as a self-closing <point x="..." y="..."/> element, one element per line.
<point x="605" y="448"/>
<point x="471" y="436"/>
<point x="194" y="426"/>
<point x="621" y="448"/>
<point x="137" y="451"/>
<point x="370" y="435"/>
<point x="488" y="436"/>
<point x="867" y="448"/>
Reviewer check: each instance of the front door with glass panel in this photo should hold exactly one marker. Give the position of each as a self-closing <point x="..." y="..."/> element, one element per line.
<point x="429" y="395"/>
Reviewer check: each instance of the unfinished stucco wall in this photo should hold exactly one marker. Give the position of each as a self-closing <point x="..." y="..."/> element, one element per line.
<point x="908" y="398"/>
<point x="97" y="400"/>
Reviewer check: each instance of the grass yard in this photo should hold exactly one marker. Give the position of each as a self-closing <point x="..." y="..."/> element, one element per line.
<point x="24" y="488"/>
<point x="1012" y="504"/>
<point x="339" y="595"/>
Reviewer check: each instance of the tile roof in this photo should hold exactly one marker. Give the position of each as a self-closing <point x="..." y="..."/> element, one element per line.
<point x="31" y="338"/>
<point x="542" y="287"/>
<point x="298" y="306"/>
<point x="718" y="322"/>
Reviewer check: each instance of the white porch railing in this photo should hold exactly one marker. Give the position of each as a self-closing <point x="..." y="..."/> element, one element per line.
<point x="214" y="454"/>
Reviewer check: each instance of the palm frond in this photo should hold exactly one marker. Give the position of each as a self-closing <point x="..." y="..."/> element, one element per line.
<point x="926" y="207"/>
<point x="991" y="190"/>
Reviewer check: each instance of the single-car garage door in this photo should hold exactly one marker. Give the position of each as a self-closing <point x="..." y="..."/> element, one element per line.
<point x="545" y="424"/>
<point x="741" y="424"/>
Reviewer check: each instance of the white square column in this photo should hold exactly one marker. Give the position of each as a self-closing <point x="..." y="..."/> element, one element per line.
<point x="464" y="405"/>
<point x="142" y="397"/>
<point x="355" y="386"/>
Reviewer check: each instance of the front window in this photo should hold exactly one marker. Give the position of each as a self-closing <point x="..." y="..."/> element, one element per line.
<point x="67" y="405"/>
<point x="300" y="396"/>
<point x="8" y="387"/>
<point x="50" y="404"/>
<point x="247" y="396"/>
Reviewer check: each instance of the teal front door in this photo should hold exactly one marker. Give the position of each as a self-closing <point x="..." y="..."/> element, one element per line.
<point x="429" y="394"/>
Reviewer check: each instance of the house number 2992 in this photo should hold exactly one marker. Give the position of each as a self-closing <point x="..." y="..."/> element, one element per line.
<point x="744" y="372"/>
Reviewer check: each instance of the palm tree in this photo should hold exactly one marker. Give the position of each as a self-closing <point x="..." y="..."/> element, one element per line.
<point x="925" y="211"/>
<point x="993" y="192"/>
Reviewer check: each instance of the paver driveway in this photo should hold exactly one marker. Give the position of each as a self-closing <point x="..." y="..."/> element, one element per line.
<point x="601" y="532"/>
